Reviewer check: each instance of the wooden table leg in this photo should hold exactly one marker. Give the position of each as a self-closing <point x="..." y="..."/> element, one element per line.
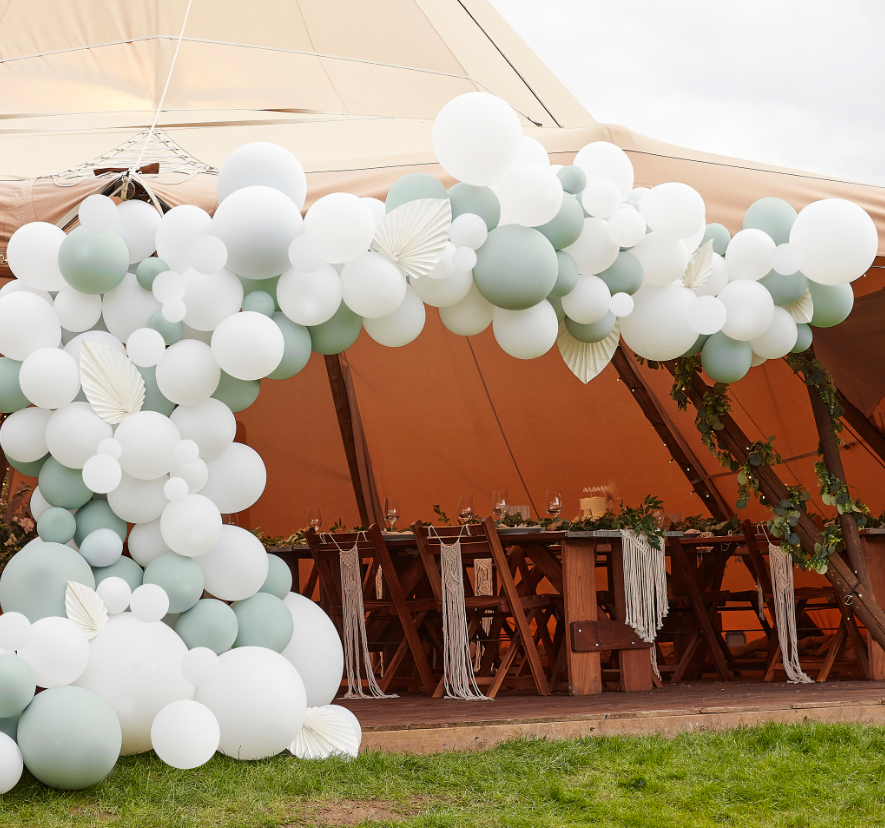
<point x="636" y="672"/>
<point x="579" y="598"/>
<point x="874" y="551"/>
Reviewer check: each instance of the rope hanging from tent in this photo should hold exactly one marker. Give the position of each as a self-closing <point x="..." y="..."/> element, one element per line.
<point x="781" y="565"/>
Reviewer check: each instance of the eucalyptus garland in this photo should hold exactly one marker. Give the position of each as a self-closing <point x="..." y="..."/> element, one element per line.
<point x="684" y="370"/>
<point x="814" y="374"/>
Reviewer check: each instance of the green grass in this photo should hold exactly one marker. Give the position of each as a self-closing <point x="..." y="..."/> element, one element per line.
<point x="772" y="776"/>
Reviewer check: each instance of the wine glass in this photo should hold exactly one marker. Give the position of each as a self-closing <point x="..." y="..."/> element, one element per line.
<point x="391" y="510"/>
<point x="554" y="503"/>
<point x="314" y="518"/>
<point x="465" y="509"/>
<point x="499" y="504"/>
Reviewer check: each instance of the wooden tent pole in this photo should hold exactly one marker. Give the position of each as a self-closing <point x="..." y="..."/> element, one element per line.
<point x="863" y="426"/>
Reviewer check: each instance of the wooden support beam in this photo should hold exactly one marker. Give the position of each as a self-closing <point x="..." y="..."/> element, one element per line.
<point x="865" y="428"/>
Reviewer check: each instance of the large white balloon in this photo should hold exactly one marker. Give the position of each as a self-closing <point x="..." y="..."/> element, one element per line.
<point x="531" y="195"/>
<point x="673" y="210"/>
<point x="98" y="213"/>
<point x="526" y="334"/>
<point x="443" y="293"/>
<point x="210" y="424"/>
<point x="469" y="317"/>
<point x="101" y="337"/>
<point x="750" y="309"/>
<point x="146" y="542"/>
<point x="32" y="253"/>
<point x="658" y="328"/>
<point x="626" y="227"/>
<point x="50" y="378"/>
<point x="602" y="160"/>
<point x="707" y="315"/>
<point x="210" y="299"/>
<point x="18" y="285"/>
<point x="136" y="668"/>
<point x="265" y="164"/>
<point x="237" y="478"/>
<point x="477" y="138"/>
<point x="27" y="323"/>
<point x="185" y="734"/>
<point x="310" y="298"/>
<point x="191" y="526"/>
<point x="57" y="651"/>
<point x="177" y="231"/>
<point x="248" y="345"/>
<point x="258" y="700"/>
<point x="145" y="347"/>
<point x="468" y="230"/>
<point x="102" y="474"/>
<point x="236" y="567"/>
<point x="588" y="301"/>
<point x="23" y="434"/>
<point x="601" y="199"/>
<point x="343" y="223"/>
<point x="74" y="432"/>
<point x="138" y="501"/>
<point x="749" y="255"/>
<point x="532" y="152"/>
<point x="128" y="307"/>
<point x="148" y="441"/>
<point x="372" y="286"/>
<point x="137" y="223"/>
<point x="663" y="260"/>
<point x="400" y="327"/>
<point x="779" y="339"/>
<point x="188" y="373"/>
<point x="77" y="311"/>
<point x="594" y="251"/>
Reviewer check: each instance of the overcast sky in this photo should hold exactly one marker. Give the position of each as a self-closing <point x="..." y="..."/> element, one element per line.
<point x="798" y="83"/>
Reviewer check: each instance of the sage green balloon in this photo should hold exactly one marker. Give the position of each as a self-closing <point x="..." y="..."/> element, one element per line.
<point x="516" y="267"/>
<point x="209" y="623"/>
<point x="720" y="235"/>
<point x="11" y="396"/>
<point x="259" y="302"/>
<point x="566" y="226"/>
<point x="153" y="397"/>
<point x="97" y="514"/>
<point x="572" y="178"/>
<point x="832" y="304"/>
<point x="279" y="577"/>
<point x="31" y="469"/>
<point x="625" y="274"/>
<point x="566" y="276"/>
<point x="784" y="289"/>
<point x="697" y="347"/>
<point x="170" y="331"/>
<point x="57" y="526"/>
<point x="482" y="201"/>
<point x="36" y="578"/>
<point x="594" y="332"/>
<point x="180" y="577"/>
<point x="235" y="393"/>
<point x="70" y="738"/>
<point x="773" y="216"/>
<point x="262" y="285"/>
<point x="17" y="685"/>
<point x="412" y="187"/>
<point x="725" y="359"/>
<point x="148" y="270"/>
<point x="803" y="341"/>
<point x="93" y="263"/>
<point x="9" y="726"/>
<point x="338" y="333"/>
<point x="296" y="352"/>
<point x="556" y="302"/>
<point x="61" y="486"/>
<point x="264" y="621"/>
<point x="124" y="568"/>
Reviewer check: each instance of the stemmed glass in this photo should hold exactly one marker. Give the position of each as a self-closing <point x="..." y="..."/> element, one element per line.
<point x="554" y="503"/>
<point x="391" y="510"/>
<point x="499" y="504"/>
<point x="314" y="518"/>
<point x="465" y="509"/>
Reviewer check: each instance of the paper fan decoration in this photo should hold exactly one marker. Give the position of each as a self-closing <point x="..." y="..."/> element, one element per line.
<point x="325" y="733"/>
<point x="414" y="235"/>
<point x="802" y="309"/>
<point x="587" y="359"/>
<point x="700" y="267"/>
<point x="85" y="608"/>
<point x="111" y="383"/>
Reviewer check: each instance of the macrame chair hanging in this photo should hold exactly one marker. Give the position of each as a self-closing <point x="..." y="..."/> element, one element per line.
<point x="781" y="566"/>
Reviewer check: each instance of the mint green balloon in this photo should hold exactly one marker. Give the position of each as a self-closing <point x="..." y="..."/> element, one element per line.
<point x="725" y="359"/>
<point x="93" y="263"/>
<point x="11" y="396"/>
<point x="625" y="274"/>
<point x="482" y="201"/>
<point x="124" y="568"/>
<point x="170" y="331"/>
<point x="181" y="577"/>
<point x="572" y="178"/>
<point x="70" y="738"/>
<point x="264" y="621"/>
<point x="279" y="577"/>
<point x="209" y="623"/>
<point x="412" y="187"/>
<point x="235" y="393"/>
<point x="262" y="285"/>
<point x="97" y="514"/>
<point x="773" y="216"/>
<point x="832" y="304"/>
<point x="148" y="270"/>
<point x="9" y="726"/>
<point x="61" y="486"/>
<point x="697" y="347"/>
<point x="784" y="289"/>
<point x="338" y="333"/>
<point x="57" y="526"/>
<point x="803" y="341"/>
<point x="720" y="235"/>
<point x="31" y="469"/>
<point x="17" y="685"/>
<point x="556" y="302"/>
<point x="566" y="226"/>
<point x="516" y="267"/>
<point x="35" y="580"/>
<point x="566" y="276"/>
<point x="594" y="332"/>
<point x="153" y="397"/>
<point x="296" y="351"/>
<point x="259" y="302"/>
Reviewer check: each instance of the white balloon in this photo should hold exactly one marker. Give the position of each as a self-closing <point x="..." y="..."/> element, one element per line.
<point x="748" y="255"/>
<point x="57" y="651"/>
<point x="402" y="326"/>
<point x="207" y="255"/>
<point x="77" y="311"/>
<point x="188" y="373"/>
<point x="210" y="424"/>
<point x="265" y="164"/>
<point x="307" y="253"/>
<point x="836" y="239"/>
<point x="757" y="360"/>
<point x="38" y="505"/>
<point x="175" y="489"/>
<point x="15" y="631"/>
<point x="749" y="306"/>
<point x="23" y="434"/>
<point x="379" y="211"/>
<point x="116" y="594"/>
<point x="693" y="242"/>
<point x="237" y="478"/>
<point x="145" y="347"/>
<point x="445" y="267"/>
<point x="138" y="501"/>
<point x="717" y="280"/>
<point x="128" y="307"/>
<point x="588" y="301"/>
<point x="102" y="474"/>
<point x="200" y="666"/>
<point x="110" y="447"/>
<point x="443" y="293"/>
<point x="146" y="542"/>
<point x="601" y="199"/>
<point x="210" y="299"/>
<point x="32" y="253"/>
<point x="186" y="451"/>
<point x="526" y="334"/>
<point x="602" y="160"/>
<point x="532" y="152"/>
<point x="707" y="315"/>
<point x="11" y="764"/>
<point x="50" y="378"/>
<point x="137" y="223"/>
<point x="464" y="258"/>
<point x="101" y="337"/>
<point x="17" y="285"/>
<point x="673" y="210"/>
<point x="469" y="317"/>
<point x="343" y="223"/>
<point x="98" y="213"/>
<point x="621" y="304"/>
<point x="191" y="526"/>
<point x="185" y="734"/>
<point x="626" y="227"/>
<point x="194" y="474"/>
<point x="594" y="251"/>
<point x="74" y="434"/>
<point x="663" y="260"/>
<point x="779" y="339"/>
<point x="309" y="297"/>
<point x="177" y="231"/>
<point x="168" y="286"/>
<point x="372" y="285"/>
<point x="477" y="138"/>
<point x="531" y="195"/>
<point x="27" y="324"/>
<point x="236" y="568"/>
<point x="786" y="259"/>
<point x="658" y="327"/>
<point x="468" y="230"/>
<point x="248" y="345"/>
<point x="149" y="603"/>
<point x="148" y="440"/>
<point x="174" y="311"/>
<point x="136" y="668"/>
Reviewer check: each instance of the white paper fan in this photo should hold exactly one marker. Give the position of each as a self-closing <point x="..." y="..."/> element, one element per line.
<point x="325" y="733"/>
<point x="802" y="309"/>
<point x="85" y="608"/>
<point x="587" y="359"/>
<point x="414" y="235"/>
<point x="111" y="383"/>
<point x="700" y="267"/>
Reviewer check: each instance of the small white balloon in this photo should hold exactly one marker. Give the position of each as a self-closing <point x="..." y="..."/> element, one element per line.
<point x="207" y="255"/>
<point x="191" y="526"/>
<point x="601" y="198"/>
<point x="116" y="594"/>
<point x="188" y="373"/>
<point x="403" y="325"/>
<point x="707" y="315"/>
<point x="98" y="213"/>
<point x="145" y="347"/>
<point x="531" y="195"/>
<point x="195" y="474"/>
<point x="749" y="306"/>
<point x="379" y="211"/>
<point x="210" y="424"/>
<point x="307" y="253"/>
<point x="15" y="631"/>
<point x="663" y="259"/>
<point x="175" y="489"/>
<point x="588" y="301"/>
<point x="146" y="542"/>
<point x="148" y="439"/>
<point x="50" y="378"/>
<point x="210" y="299"/>
<point x="248" y="345"/>
<point x="343" y="223"/>
<point x="169" y="286"/>
<point x="626" y="227"/>
<point x="533" y="152"/>
<point x="621" y="304"/>
<point x="748" y="255"/>
<point x="174" y="311"/>
<point x="606" y="161"/>
<point x="23" y="434"/>
<point x="27" y="324"/>
<point x="673" y="210"/>
<point x="128" y="307"/>
<point x="102" y="474"/>
<point x="32" y="253"/>
<point x="442" y="293"/>
<point x="526" y="334"/>
<point x="200" y="666"/>
<point x="717" y="280"/>
<point x="594" y="251"/>
<point x="464" y="258"/>
<point x="779" y="339"/>
<point x="177" y="231"/>
<point x="37" y="505"/>
<point x="469" y="317"/>
<point x="372" y="286"/>
<point x="309" y="298"/>
<point x="11" y="764"/>
<point x="77" y="311"/>
<point x="57" y="650"/>
<point x="186" y="451"/>
<point x="263" y="163"/>
<point x="149" y="603"/>
<point x="185" y="734"/>
<point x="236" y="567"/>
<point x="786" y="259"/>
<point x="468" y="230"/>
<point x="237" y="478"/>
<point x="137" y="223"/>
<point x="110" y="447"/>
<point x="445" y="267"/>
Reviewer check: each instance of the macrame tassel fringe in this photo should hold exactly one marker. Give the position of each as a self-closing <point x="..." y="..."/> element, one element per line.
<point x="483" y="584"/>
<point x="781" y="565"/>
